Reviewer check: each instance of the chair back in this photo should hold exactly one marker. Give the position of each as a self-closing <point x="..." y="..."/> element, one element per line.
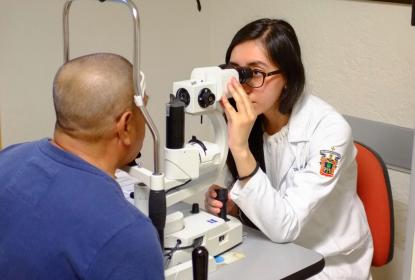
<point x="374" y="189"/>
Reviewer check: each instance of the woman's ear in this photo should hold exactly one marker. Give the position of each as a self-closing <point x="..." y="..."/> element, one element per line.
<point x="124" y="128"/>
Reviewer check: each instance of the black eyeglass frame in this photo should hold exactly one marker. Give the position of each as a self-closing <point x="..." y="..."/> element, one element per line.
<point x="264" y="75"/>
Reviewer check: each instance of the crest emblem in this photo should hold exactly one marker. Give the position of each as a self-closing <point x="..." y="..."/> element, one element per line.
<point x="329" y="161"/>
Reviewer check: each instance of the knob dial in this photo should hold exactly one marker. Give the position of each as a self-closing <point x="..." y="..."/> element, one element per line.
<point x="183" y="95"/>
<point x="206" y="98"/>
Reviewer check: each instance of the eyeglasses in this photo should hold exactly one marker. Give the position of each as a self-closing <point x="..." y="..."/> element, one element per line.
<point x="251" y="77"/>
<point x="258" y="77"/>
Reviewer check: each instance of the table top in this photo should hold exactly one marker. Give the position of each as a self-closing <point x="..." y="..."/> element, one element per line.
<point x="268" y="260"/>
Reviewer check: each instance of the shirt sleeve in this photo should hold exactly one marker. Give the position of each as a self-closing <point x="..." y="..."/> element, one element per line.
<point x="281" y="215"/>
<point x="133" y="253"/>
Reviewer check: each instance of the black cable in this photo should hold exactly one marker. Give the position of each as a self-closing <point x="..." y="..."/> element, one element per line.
<point x="197" y="242"/>
<point x="169" y="255"/>
<point x="199" y="6"/>
<point x="172" y="250"/>
<point x="179" y="248"/>
<point x="176" y="187"/>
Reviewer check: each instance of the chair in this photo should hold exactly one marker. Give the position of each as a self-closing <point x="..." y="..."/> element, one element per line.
<point x="374" y="189"/>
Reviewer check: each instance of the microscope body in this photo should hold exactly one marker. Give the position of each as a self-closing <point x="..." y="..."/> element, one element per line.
<point x="200" y="96"/>
<point x="191" y="168"/>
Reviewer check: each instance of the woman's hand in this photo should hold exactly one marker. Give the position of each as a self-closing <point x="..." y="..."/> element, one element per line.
<point x="241" y="120"/>
<point x="240" y="123"/>
<point x="212" y="205"/>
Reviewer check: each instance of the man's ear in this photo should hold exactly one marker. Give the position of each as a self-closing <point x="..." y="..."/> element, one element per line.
<point x="124" y="127"/>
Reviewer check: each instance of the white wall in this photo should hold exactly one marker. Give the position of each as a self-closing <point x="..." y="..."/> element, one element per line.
<point x="358" y="56"/>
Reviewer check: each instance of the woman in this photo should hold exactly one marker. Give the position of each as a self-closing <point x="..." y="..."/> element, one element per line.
<point x="292" y="159"/>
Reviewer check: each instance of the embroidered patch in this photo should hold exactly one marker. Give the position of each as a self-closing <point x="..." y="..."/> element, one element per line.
<point x="329" y="161"/>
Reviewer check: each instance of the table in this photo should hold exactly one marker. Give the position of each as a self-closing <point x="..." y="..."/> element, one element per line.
<point x="263" y="259"/>
<point x="268" y="260"/>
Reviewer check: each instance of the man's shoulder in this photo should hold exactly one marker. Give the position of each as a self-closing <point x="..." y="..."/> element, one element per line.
<point x="19" y="149"/>
<point x="25" y="172"/>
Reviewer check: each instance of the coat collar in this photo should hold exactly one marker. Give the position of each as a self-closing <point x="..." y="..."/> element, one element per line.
<point x="300" y="119"/>
<point x="298" y="131"/>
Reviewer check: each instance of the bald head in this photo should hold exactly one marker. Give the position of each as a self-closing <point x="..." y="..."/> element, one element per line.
<point x="90" y="93"/>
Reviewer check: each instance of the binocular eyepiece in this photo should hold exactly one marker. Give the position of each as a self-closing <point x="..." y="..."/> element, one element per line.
<point x="245" y="73"/>
<point x="207" y="85"/>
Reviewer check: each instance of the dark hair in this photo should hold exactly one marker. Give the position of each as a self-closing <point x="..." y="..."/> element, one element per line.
<point x="281" y="43"/>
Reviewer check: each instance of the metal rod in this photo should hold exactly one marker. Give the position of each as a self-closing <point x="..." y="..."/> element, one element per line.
<point x="136" y="68"/>
<point x="66" y="30"/>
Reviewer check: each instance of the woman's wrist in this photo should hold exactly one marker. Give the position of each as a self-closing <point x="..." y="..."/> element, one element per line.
<point x="253" y="172"/>
<point x="245" y="163"/>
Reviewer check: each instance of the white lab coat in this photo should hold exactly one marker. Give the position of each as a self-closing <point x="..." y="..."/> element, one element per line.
<point x="315" y="210"/>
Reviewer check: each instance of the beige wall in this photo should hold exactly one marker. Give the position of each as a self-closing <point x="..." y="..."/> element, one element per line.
<point x="413" y="261"/>
<point x="358" y="55"/>
<point x="174" y="40"/>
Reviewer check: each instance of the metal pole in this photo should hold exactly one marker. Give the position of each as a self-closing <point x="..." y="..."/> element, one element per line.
<point x="136" y="68"/>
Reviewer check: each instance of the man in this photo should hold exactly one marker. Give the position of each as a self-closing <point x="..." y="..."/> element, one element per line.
<point x="62" y="214"/>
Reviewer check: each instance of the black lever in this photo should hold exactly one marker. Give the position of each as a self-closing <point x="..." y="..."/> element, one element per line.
<point x="200" y="259"/>
<point x="222" y="196"/>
